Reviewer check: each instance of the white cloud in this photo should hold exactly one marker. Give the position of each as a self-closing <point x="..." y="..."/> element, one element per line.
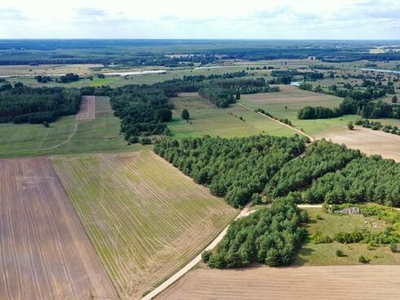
<point x="339" y="19"/>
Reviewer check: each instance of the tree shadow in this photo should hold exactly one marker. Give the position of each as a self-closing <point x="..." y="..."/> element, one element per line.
<point x="301" y="257"/>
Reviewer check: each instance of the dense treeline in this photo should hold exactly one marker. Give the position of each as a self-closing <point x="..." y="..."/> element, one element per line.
<point x="236" y="169"/>
<point x="37" y="105"/>
<point x="363" y="179"/>
<point x="269" y="236"/>
<point x="321" y="157"/>
<point x="357" y="101"/>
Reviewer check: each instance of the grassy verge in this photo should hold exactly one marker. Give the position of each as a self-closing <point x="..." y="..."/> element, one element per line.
<point x="330" y="224"/>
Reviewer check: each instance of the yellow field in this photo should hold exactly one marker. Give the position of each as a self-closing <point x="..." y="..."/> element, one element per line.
<point x="145" y="218"/>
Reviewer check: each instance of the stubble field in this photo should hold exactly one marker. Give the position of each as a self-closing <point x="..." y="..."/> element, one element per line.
<point x="44" y="250"/>
<point x="145" y="218"/>
<point x="305" y="283"/>
<point x="367" y="141"/>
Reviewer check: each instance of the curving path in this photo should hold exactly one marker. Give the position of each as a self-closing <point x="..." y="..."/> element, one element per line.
<point x="243" y="213"/>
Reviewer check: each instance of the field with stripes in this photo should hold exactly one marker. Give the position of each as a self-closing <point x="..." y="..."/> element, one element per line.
<point x="144" y="217"/>
<point x="44" y="250"/>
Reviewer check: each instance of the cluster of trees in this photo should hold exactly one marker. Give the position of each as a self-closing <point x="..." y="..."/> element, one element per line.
<point x="144" y="110"/>
<point x="43" y="79"/>
<point x="67" y="78"/>
<point x="37" y="105"/>
<point x="363" y="179"/>
<point x="223" y="92"/>
<point x="349" y="106"/>
<point x="321" y="157"/>
<point x="269" y="236"/>
<point x="357" y="101"/>
<point x="236" y="169"/>
<point x="218" y="96"/>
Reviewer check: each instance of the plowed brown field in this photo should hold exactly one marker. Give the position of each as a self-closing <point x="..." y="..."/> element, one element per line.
<point x="304" y="283"/>
<point x="44" y="250"/>
<point x="87" y="111"/>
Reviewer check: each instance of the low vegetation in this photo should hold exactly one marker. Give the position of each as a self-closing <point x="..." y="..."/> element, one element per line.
<point x="346" y="232"/>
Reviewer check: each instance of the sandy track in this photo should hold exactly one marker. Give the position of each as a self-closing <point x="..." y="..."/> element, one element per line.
<point x="44" y="250"/>
<point x="87" y="111"/>
<point x="367" y="141"/>
<point x="304" y="283"/>
<point x="279" y="122"/>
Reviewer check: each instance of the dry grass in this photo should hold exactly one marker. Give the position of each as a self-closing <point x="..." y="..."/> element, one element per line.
<point x="367" y="141"/>
<point x="44" y="250"/>
<point x="145" y="218"/>
<point x="304" y="283"/>
<point x="83" y="69"/>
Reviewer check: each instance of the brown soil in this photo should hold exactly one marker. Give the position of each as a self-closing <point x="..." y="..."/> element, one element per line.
<point x="88" y="109"/>
<point x="44" y="250"/>
<point x="367" y="141"/>
<point x="304" y="283"/>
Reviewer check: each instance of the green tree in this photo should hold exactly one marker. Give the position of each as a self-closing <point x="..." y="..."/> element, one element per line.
<point x="185" y="114"/>
<point x="394" y="99"/>
<point x="350" y="125"/>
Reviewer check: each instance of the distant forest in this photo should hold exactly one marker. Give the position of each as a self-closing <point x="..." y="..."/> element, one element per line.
<point x="160" y="52"/>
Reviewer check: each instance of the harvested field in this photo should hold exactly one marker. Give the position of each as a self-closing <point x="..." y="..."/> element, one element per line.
<point x="367" y="141"/>
<point x="145" y="218"/>
<point x="44" y="250"/>
<point x="305" y="283"/>
<point x="88" y="109"/>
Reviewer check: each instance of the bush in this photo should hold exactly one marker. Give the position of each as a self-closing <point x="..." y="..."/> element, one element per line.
<point x="340" y="253"/>
<point x="362" y="259"/>
<point x="318" y="238"/>
<point x="393" y="247"/>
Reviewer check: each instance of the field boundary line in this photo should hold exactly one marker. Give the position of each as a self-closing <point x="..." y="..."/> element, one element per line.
<point x="277" y="121"/>
<point x="243" y="213"/>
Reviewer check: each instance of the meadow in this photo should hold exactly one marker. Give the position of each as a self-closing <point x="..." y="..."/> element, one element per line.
<point x="144" y="217"/>
<point x="329" y="224"/>
<point x="65" y="136"/>
<point x="290" y="99"/>
<point x="206" y="119"/>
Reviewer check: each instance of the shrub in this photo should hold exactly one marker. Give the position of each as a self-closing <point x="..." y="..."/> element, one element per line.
<point x="340" y="253"/>
<point x="362" y="259"/>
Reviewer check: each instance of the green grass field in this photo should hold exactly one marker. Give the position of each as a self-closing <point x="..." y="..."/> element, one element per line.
<point x="98" y="135"/>
<point x="329" y="224"/>
<point x="208" y="119"/>
<point x="145" y="218"/>
<point x="290" y="99"/>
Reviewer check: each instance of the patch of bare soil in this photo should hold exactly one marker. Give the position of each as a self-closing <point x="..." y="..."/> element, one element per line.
<point x="44" y="250"/>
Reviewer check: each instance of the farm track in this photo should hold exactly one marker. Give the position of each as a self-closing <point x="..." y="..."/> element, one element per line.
<point x="303" y="283"/>
<point x="87" y="112"/>
<point x="145" y="218"/>
<point x="279" y="122"/>
<point x="44" y="250"/>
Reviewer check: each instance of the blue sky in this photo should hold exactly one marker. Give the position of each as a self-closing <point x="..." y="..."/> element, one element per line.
<point x="216" y="19"/>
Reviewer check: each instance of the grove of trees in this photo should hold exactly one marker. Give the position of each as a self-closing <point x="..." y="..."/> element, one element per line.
<point x="35" y="105"/>
<point x="270" y="236"/>
<point x="236" y="169"/>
